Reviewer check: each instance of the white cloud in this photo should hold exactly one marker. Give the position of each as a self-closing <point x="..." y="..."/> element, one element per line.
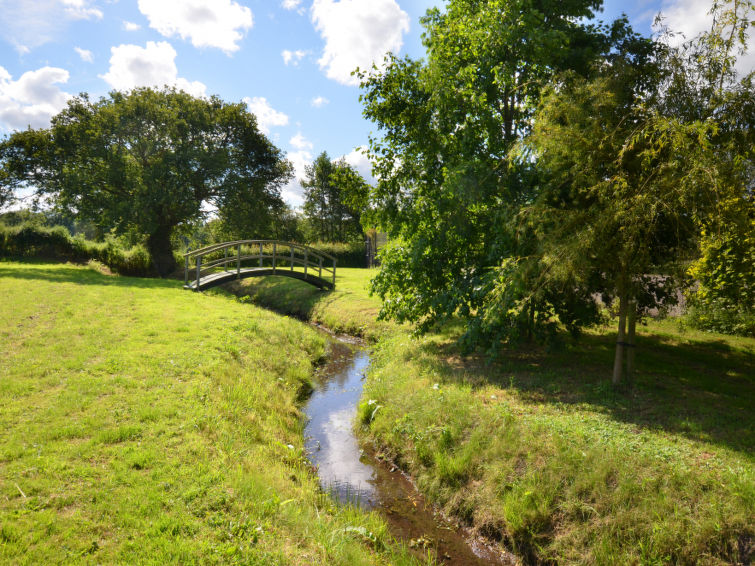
<point x="85" y="54"/>
<point x="154" y="65"/>
<point x="27" y="24"/>
<point x="291" y="4"/>
<point x="293" y="192"/>
<point x="691" y="18"/>
<point x="207" y="23"/>
<point x="81" y="10"/>
<point x="358" y="160"/>
<point x="300" y="142"/>
<point x="33" y="99"/>
<point x="356" y="34"/>
<point x="292" y="57"/>
<point x="267" y="116"/>
<point x="131" y="26"/>
<point x="319" y="101"/>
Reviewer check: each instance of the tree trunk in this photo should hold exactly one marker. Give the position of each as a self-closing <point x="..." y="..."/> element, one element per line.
<point x="631" y="325"/>
<point x="161" y="252"/>
<point x="618" y="361"/>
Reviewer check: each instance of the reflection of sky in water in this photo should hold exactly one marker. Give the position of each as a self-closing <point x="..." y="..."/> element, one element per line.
<point x="330" y="439"/>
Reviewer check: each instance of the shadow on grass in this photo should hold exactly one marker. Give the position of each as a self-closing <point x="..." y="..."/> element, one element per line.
<point x="701" y="389"/>
<point x="60" y="273"/>
<point x="282" y="294"/>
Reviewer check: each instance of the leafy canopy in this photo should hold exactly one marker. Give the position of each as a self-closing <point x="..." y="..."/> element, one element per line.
<point x="447" y="190"/>
<point x="149" y="160"/>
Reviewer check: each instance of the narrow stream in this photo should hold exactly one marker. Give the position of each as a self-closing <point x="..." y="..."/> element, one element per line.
<point x="353" y="475"/>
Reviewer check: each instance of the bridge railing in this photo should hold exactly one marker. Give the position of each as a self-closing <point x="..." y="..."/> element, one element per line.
<point x="261" y="254"/>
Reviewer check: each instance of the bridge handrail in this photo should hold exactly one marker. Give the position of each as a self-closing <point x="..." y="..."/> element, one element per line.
<point x="215" y="247"/>
<point x="201" y="269"/>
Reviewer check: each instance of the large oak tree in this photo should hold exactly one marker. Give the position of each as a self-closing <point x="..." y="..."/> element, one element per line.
<point x="147" y="161"/>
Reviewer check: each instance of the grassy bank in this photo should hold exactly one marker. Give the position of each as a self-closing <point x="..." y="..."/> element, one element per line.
<point x="538" y="451"/>
<point x="144" y="424"/>
<point x="347" y="309"/>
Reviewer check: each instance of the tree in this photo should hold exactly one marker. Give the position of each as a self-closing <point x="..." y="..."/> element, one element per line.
<point x="148" y="160"/>
<point x="448" y="193"/>
<point x="632" y="171"/>
<point x="334" y="197"/>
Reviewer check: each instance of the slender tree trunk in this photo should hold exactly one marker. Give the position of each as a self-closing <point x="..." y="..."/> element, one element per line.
<point x="618" y="361"/>
<point x="631" y="325"/>
<point x="161" y="251"/>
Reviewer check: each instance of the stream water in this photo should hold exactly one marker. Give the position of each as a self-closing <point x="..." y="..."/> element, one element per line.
<point x="353" y="475"/>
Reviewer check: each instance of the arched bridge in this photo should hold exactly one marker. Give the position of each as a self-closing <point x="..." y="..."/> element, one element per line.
<point x="220" y="263"/>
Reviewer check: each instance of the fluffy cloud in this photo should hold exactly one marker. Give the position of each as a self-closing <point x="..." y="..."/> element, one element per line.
<point x="691" y="18"/>
<point x="30" y="23"/>
<point x="154" y="65"/>
<point x="81" y="10"/>
<point x="85" y="54"/>
<point x="358" y="160"/>
<point x="319" y="101"/>
<point x="33" y="99"/>
<point x="267" y="116"/>
<point x="300" y="142"/>
<point x="293" y="192"/>
<point x="292" y="57"/>
<point x="131" y="26"/>
<point x="207" y="23"/>
<point x="356" y="34"/>
<point x="291" y="4"/>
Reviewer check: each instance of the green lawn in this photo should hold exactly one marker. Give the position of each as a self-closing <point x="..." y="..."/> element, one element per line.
<point x="537" y="450"/>
<point x="348" y="308"/>
<point x="141" y="423"/>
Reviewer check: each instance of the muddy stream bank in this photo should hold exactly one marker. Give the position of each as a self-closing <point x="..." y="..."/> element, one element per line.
<point x="352" y="473"/>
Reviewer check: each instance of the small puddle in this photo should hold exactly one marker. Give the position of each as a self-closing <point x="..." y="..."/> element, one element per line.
<point x="353" y="475"/>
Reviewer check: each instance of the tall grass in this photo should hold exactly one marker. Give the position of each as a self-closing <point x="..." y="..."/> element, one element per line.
<point x="538" y="451"/>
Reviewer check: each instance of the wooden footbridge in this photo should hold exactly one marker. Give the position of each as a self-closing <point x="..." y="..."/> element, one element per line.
<point x="220" y="263"/>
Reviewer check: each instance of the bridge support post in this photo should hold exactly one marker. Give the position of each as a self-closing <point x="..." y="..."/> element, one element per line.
<point x="186" y="271"/>
<point x="225" y="260"/>
<point x="199" y="272"/>
<point x="238" y="262"/>
<point x="334" y="273"/>
<point x="260" y="254"/>
<point x="275" y="250"/>
<point x="319" y="273"/>
<point x="292" y="257"/>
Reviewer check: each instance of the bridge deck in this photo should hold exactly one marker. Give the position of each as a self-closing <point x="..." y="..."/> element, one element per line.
<point x="220" y="277"/>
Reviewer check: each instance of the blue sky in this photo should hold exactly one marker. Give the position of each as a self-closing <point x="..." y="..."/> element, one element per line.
<point x="289" y="60"/>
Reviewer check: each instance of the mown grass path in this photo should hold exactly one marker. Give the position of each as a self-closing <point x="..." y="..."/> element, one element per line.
<point x="144" y="424"/>
<point x="537" y="450"/>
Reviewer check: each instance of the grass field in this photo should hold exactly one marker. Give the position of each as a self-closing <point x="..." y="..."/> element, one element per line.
<point x="141" y="423"/>
<point x="537" y="450"/>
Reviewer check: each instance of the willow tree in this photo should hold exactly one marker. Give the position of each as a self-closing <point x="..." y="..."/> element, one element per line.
<point x="147" y="161"/>
<point x="635" y="166"/>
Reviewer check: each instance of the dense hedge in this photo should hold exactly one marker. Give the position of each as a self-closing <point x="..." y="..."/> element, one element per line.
<point x="30" y="240"/>
<point x="349" y="254"/>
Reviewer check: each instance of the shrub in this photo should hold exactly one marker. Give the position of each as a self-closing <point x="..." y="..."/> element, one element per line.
<point x="724" y="300"/>
<point x="347" y="254"/>
<point x="32" y="240"/>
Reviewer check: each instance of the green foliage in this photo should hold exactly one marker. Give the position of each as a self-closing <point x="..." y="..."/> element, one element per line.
<point x="335" y="196"/>
<point x="537" y="450"/>
<point x="448" y="192"/>
<point x="724" y="300"/>
<point x="147" y="161"/>
<point x="35" y="241"/>
<point x="347" y="254"/>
